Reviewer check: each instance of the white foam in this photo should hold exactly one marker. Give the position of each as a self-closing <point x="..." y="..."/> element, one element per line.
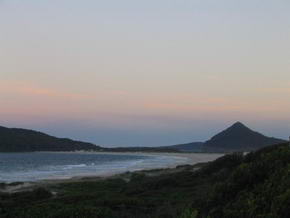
<point x="91" y="168"/>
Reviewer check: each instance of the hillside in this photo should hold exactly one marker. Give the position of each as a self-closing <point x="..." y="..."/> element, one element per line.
<point x="238" y="137"/>
<point x="254" y="185"/>
<point x="142" y="149"/>
<point x="22" y="140"/>
<point x="188" y="147"/>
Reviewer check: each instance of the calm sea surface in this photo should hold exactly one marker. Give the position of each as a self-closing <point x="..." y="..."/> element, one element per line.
<point x="38" y="166"/>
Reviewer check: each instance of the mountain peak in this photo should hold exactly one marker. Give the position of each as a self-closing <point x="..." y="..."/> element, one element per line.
<point x="239" y="124"/>
<point x="240" y="137"/>
<point x="238" y="128"/>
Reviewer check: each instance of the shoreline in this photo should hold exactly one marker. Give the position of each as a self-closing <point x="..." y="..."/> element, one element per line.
<point x="192" y="158"/>
<point x="189" y="159"/>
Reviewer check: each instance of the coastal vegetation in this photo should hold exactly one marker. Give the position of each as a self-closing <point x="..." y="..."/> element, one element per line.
<point x="235" y="185"/>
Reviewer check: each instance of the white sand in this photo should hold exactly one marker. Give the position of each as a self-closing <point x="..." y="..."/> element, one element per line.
<point x="190" y="158"/>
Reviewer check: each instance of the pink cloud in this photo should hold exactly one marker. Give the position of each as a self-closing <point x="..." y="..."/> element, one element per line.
<point x="276" y="90"/>
<point x="31" y="89"/>
<point x="215" y="105"/>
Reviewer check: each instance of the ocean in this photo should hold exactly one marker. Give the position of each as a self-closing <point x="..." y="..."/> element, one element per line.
<point x="15" y="167"/>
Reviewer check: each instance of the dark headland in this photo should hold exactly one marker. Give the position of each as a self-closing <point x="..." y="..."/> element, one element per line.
<point x="237" y="137"/>
<point x="23" y="140"/>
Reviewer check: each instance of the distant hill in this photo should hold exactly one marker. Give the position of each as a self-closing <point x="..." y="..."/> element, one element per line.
<point x="238" y="137"/>
<point x="166" y="149"/>
<point x="189" y="147"/>
<point x="22" y="140"/>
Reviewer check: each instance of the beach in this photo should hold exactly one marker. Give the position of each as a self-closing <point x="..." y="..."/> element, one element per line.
<point x="184" y="159"/>
<point x="189" y="158"/>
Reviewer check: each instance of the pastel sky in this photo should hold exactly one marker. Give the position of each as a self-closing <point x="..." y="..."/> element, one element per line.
<point x="152" y="72"/>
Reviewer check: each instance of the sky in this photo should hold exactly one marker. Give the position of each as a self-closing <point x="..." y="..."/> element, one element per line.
<point x="145" y="73"/>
